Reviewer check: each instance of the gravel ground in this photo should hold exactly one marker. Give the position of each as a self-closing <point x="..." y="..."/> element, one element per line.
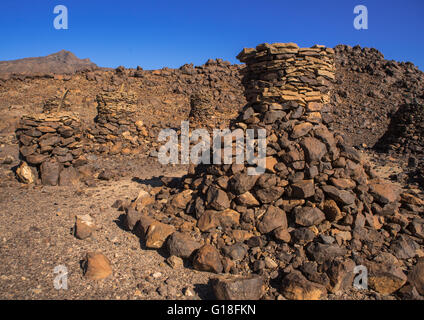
<point x="36" y="236"/>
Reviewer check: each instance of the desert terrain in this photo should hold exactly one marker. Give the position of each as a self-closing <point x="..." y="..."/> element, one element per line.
<point x="110" y="195"/>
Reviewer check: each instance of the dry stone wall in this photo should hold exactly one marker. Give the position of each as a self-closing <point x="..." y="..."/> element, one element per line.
<point x="284" y="72"/>
<point x="118" y="126"/>
<point x="50" y="143"/>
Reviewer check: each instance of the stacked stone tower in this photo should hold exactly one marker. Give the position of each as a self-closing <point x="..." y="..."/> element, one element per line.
<point x="201" y="109"/>
<point x="49" y="143"/>
<point x="118" y="125"/>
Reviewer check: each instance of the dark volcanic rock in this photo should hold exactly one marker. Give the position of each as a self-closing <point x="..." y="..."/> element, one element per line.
<point x="238" y="287"/>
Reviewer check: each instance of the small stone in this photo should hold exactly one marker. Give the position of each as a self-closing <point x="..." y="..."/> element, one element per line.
<point x="343" y="183"/>
<point x="303" y="189"/>
<point x="36" y="158"/>
<point x="96" y="266"/>
<point x="314" y="106"/>
<point x="157" y="233"/>
<point x="131" y="218"/>
<point x="307" y="216"/>
<point x="25" y="173"/>
<point x="69" y="177"/>
<point x="8" y="160"/>
<point x="270" y="194"/>
<point x="341" y="196"/>
<point x="242" y="182"/>
<point x="269" y="263"/>
<point x="301" y="129"/>
<point x="188" y="292"/>
<point x="327" y="239"/>
<point x="416" y="276"/>
<point x="385" y="278"/>
<point x="106" y="175"/>
<point x="241" y="235"/>
<point x="332" y="211"/>
<point x="341" y="274"/>
<point x="272" y="219"/>
<point x="182" y="199"/>
<point x="236" y="251"/>
<point x="175" y="262"/>
<point x="50" y="171"/>
<point x="238" y="287"/>
<point x="313" y="148"/>
<point x="272" y="116"/>
<point x="217" y="199"/>
<point x="303" y="235"/>
<point x="143" y="200"/>
<point x="411" y="199"/>
<point x="384" y="193"/>
<point x="84" y="226"/>
<point x="248" y="200"/>
<point x="282" y="234"/>
<point x="211" y="219"/>
<point x="181" y="245"/>
<point x="404" y="247"/>
<point x="296" y="287"/>
<point x="325" y="252"/>
<point x="207" y="258"/>
<point x="270" y="163"/>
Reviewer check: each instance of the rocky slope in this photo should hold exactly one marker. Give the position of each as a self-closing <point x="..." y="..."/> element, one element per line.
<point x="368" y="92"/>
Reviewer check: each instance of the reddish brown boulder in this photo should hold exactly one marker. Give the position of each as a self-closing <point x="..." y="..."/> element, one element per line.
<point x="207" y="258"/>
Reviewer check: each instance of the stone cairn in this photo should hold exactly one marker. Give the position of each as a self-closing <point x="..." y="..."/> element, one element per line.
<point x="118" y="125"/>
<point x="299" y="230"/>
<point x="49" y="144"/>
<point x="201" y="109"/>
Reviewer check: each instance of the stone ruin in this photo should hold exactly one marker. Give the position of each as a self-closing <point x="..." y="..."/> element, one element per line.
<point x="50" y="145"/>
<point x="56" y="139"/>
<point x="118" y="126"/>
<point x="201" y="109"/>
<point x="299" y="230"/>
<point x="57" y="103"/>
<point x="283" y="72"/>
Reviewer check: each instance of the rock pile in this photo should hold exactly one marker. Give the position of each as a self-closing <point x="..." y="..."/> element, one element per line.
<point x="368" y="91"/>
<point x="51" y="144"/>
<point x="118" y="126"/>
<point x="201" y="109"/>
<point x="304" y="225"/>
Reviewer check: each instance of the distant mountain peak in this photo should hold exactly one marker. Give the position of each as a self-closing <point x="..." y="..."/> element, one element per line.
<point x="61" y="62"/>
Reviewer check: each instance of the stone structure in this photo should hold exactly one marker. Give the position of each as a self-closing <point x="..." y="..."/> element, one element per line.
<point x="201" y="109"/>
<point x="316" y="212"/>
<point x="118" y="125"/>
<point x="57" y="103"/>
<point x="283" y="72"/>
<point x="50" y="142"/>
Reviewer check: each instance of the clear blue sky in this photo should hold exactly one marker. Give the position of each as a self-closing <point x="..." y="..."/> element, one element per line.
<point x="159" y="33"/>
